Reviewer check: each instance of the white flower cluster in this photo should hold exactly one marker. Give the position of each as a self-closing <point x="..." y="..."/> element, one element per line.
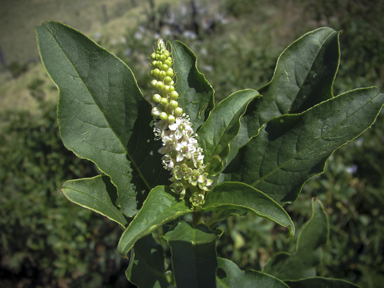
<point x="183" y="156"/>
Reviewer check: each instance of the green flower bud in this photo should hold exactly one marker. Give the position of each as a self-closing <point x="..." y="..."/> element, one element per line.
<point x="154" y="63"/>
<point x="162" y="74"/>
<point x="164" y="101"/>
<point x="173" y="104"/>
<point x="167" y="88"/>
<point x="156" y="98"/>
<point x="155" y="112"/>
<point x="158" y="56"/>
<point x="164" y="116"/>
<point x="171" y="119"/>
<point x="168" y="62"/>
<point x="154" y="82"/>
<point x="163" y="57"/>
<point x="172" y="88"/>
<point x="159" y="85"/>
<point x="156" y="72"/>
<point x="167" y="80"/>
<point x="170" y="72"/>
<point x="164" y="67"/>
<point x="178" y="111"/>
<point x="174" y="95"/>
<point x="153" y="56"/>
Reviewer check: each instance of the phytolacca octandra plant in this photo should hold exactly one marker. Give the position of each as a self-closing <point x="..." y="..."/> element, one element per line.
<point x="183" y="156"/>
<point x="261" y="150"/>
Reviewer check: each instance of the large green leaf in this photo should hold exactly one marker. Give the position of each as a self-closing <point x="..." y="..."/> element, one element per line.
<point x="236" y="195"/>
<point x="303" y="77"/>
<point x="97" y="194"/>
<point x="230" y="276"/>
<point x="196" y="94"/>
<point x="102" y="114"/>
<point x="223" y="124"/>
<point x="146" y="267"/>
<point x="320" y="282"/>
<point x="303" y="262"/>
<point x="160" y="207"/>
<point x="290" y="149"/>
<point x="194" y="258"/>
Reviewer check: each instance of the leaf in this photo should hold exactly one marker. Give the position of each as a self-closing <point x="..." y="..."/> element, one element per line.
<point x="160" y="207"/>
<point x="303" y="262"/>
<point x="303" y="77"/>
<point x="194" y="258"/>
<point x="146" y="267"/>
<point x="102" y="114"/>
<point x="240" y="196"/>
<point x="290" y="149"/>
<point x="196" y="94"/>
<point x="320" y="282"/>
<point x="97" y="194"/>
<point x="230" y="276"/>
<point x="223" y="124"/>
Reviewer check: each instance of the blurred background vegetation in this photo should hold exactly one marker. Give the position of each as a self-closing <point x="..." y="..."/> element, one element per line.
<point x="46" y="241"/>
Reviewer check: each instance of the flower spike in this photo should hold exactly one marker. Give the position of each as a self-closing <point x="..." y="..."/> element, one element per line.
<point x="182" y="155"/>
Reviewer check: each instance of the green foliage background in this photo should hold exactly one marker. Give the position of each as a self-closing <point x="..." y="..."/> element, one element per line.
<point x="47" y="242"/>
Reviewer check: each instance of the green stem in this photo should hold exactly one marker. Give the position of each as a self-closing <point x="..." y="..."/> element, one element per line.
<point x="197" y="216"/>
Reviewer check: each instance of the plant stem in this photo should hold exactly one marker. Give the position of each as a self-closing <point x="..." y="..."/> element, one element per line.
<point x="197" y="216"/>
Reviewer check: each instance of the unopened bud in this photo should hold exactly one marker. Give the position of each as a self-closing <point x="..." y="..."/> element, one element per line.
<point x="171" y="119"/>
<point x="170" y="72"/>
<point x="162" y="74"/>
<point x="153" y="83"/>
<point x="168" y="62"/>
<point x="167" y="80"/>
<point x="174" y="95"/>
<point x="178" y="111"/>
<point x="173" y="104"/>
<point x="155" y="112"/>
<point x="164" y="101"/>
<point x="156" y="98"/>
<point x="159" y="85"/>
<point x="163" y="116"/>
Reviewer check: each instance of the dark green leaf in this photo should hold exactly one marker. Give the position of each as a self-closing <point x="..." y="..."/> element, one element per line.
<point x="160" y="207"/>
<point x="196" y="94"/>
<point x="236" y="195"/>
<point x="303" y="77"/>
<point x="303" y="262"/>
<point x="102" y="114"/>
<point x="194" y="258"/>
<point x="319" y="282"/>
<point x="97" y="194"/>
<point x="146" y="267"/>
<point x="230" y="276"/>
<point x="223" y="124"/>
<point x="290" y="149"/>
